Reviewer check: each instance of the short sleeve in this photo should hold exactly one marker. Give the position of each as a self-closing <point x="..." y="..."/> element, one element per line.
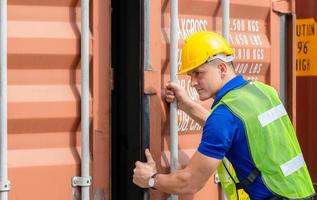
<point x="218" y="133"/>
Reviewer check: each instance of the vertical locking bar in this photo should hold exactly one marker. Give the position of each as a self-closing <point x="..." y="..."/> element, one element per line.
<point x="5" y="184"/>
<point x="173" y="72"/>
<point x="85" y="96"/>
<point x="225" y="33"/>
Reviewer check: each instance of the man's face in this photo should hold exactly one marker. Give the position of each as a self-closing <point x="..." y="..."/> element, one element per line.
<point x="207" y="80"/>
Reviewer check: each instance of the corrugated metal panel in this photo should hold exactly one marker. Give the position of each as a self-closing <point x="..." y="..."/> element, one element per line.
<point x="307" y="97"/>
<point x="44" y="98"/>
<point x="256" y="43"/>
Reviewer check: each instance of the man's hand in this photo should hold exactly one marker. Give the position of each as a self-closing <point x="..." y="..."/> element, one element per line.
<point x="185" y="103"/>
<point x="143" y="171"/>
<point x="174" y="90"/>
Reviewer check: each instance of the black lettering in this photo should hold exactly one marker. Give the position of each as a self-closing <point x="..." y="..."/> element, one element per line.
<point x="303" y="64"/>
<point x="305" y="30"/>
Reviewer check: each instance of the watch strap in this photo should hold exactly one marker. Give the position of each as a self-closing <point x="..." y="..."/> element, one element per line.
<point x="153" y="176"/>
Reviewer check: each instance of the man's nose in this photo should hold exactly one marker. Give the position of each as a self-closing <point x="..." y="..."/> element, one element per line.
<point x="193" y="81"/>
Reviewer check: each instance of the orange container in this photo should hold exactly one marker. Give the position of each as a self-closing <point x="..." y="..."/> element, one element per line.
<point x="44" y="98"/>
<point x="44" y="88"/>
<point x="255" y="36"/>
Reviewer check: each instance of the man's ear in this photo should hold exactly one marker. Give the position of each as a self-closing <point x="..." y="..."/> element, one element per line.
<point x="223" y="68"/>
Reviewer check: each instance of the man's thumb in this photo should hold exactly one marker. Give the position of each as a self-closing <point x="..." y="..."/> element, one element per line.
<point x="148" y="156"/>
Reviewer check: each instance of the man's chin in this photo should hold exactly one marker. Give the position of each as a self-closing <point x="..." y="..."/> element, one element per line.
<point x="203" y="98"/>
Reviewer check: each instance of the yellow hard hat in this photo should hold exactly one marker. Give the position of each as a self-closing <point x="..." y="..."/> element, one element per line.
<point x="202" y="47"/>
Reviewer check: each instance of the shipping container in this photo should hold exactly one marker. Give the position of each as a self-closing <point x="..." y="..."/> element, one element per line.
<point x="44" y="98"/>
<point x="129" y="66"/>
<point x="261" y="33"/>
<point x="306" y="81"/>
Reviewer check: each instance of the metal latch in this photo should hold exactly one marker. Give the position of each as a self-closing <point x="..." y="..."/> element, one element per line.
<point x="81" y="181"/>
<point x="5" y="186"/>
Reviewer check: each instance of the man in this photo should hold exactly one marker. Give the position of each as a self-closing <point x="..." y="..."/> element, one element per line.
<point x="247" y="126"/>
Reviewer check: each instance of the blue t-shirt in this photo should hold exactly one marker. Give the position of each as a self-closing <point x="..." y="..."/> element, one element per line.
<point x="224" y="135"/>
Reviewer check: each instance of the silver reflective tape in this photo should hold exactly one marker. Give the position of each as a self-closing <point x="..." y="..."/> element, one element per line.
<point x="272" y="115"/>
<point x="293" y="165"/>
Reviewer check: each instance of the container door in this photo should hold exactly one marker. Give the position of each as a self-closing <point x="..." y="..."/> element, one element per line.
<point x="255" y="36"/>
<point x="44" y="98"/>
<point x="306" y="81"/>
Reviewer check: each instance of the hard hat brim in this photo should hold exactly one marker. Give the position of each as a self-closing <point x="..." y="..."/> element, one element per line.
<point x="222" y="57"/>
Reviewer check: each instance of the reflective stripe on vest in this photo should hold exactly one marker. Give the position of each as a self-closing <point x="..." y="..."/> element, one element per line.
<point x="293" y="165"/>
<point x="272" y="115"/>
<point x="271" y="139"/>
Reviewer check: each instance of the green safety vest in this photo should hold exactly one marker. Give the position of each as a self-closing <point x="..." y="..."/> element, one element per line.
<point x="271" y="140"/>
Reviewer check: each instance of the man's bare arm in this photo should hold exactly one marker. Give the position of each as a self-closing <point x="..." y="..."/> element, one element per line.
<point x="197" y="112"/>
<point x="185" y="103"/>
<point x="185" y="181"/>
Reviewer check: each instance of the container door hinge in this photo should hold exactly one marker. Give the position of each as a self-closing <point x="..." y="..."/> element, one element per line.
<point x="78" y="181"/>
<point x="5" y="186"/>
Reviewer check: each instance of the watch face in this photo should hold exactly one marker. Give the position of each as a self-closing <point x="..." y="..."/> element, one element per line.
<point x="151" y="182"/>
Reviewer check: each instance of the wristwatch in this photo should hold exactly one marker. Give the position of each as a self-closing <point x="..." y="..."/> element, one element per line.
<point x="152" y="181"/>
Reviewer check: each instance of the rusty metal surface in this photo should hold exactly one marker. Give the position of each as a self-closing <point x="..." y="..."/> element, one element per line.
<point x="254" y="34"/>
<point x="44" y="98"/>
<point x="306" y="99"/>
